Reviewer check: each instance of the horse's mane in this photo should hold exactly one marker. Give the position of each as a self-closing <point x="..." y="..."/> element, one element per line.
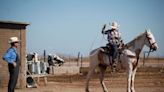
<point x="132" y="42"/>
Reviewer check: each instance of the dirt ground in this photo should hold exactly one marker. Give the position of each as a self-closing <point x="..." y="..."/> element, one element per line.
<point x="146" y="81"/>
<point x="149" y="79"/>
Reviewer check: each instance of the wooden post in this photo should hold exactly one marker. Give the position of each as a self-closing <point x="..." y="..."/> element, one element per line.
<point x="22" y="74"/>
<point x="78" y="58"/>
<point x="81" y="60"/>
<point x="45" y="80"/>
<point x="44" y="55"/>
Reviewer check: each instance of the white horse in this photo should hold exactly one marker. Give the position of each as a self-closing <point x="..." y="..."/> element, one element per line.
<point x="129" y="59"/>
<point x="58" y="61"/>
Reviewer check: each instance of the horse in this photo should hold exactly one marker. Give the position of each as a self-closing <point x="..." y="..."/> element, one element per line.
<point x="55" y="60"/>
<point x="129" y="59"/>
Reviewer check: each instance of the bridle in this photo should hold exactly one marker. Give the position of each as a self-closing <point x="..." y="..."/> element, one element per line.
<point x="150" y="48"/>
<point x="151" y="44"/>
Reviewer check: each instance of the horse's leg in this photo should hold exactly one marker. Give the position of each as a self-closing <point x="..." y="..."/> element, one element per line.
<point x="129" y="77"/>
<point x="133" y="77"/>
<point x="91" y="71"/>
<point x="102" y="72"/>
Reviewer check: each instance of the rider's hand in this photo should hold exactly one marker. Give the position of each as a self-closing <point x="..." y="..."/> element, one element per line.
<point x="14" y="64"/>
<point x="103" y="28"/>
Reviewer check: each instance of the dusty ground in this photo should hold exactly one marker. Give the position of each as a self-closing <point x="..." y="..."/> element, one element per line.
<point x="146" y="81"/>
<point x="149" y="79"/>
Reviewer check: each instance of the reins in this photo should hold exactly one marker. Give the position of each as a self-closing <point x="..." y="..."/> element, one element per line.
<point x="148" y="52"/>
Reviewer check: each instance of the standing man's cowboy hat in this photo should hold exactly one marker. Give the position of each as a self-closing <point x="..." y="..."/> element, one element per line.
<point x="13" y="39"/>
<point x="114" y="25"/>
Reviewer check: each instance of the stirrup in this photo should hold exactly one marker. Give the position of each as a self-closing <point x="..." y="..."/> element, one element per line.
<point x="114" y="67"/>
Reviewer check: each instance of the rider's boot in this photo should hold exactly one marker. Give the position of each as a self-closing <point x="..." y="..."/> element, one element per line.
<point x="114" y="65"/>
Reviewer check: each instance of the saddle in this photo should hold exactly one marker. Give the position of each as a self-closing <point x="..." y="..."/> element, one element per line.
<point x="108" y="51"/>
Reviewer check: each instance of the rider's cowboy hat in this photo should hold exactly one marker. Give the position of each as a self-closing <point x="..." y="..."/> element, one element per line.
<point x="114" y="25"/>
<point x="13" y="39"/>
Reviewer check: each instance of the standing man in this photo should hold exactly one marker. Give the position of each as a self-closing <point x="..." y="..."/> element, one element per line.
<point x="114" y="42"/>
<point x="12" y="58"/>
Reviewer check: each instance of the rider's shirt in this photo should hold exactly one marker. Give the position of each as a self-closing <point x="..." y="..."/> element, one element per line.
<point x="114" y="36"/>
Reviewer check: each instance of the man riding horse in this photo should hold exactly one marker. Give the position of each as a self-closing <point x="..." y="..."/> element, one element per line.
<point x="114" y="43"/>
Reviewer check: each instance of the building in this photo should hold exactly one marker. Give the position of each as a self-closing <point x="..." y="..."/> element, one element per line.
<point x="9" y="29"/>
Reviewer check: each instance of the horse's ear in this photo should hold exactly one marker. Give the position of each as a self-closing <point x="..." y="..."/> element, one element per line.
<point x="147" y="30"/>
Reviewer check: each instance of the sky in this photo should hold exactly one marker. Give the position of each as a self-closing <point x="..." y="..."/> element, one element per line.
<point x="72" y="26"/>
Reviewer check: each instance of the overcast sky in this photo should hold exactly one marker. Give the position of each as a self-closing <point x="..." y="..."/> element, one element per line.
<point x="70" y="26"/>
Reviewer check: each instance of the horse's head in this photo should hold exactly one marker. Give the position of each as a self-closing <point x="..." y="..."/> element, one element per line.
<point x="150" y="41"/>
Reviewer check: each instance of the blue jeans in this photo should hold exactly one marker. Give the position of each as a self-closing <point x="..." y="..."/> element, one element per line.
<point x="114" y="51"/>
